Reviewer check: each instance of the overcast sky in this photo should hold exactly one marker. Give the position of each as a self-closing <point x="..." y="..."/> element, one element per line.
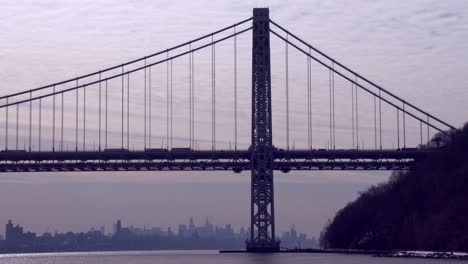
<point x="416" y="49"/>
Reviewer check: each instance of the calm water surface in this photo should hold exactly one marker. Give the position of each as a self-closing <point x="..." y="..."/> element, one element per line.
<point x="141" y="257"/>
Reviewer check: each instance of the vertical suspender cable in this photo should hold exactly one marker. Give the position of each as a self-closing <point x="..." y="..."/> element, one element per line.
<point x="213" y="95"/>
<point x="40" y="123"/>
<point x="17" y="125"/>
<point x="61" y="124"/>
<point x="380" y="118"/>
<point x="352" y="113"/>
<point x="330" y="110"/>
<point x="172" y="113"/>
<point x="167" y="102"/>
<point x="308" y="102"/>
<point x="84" y="118"/>
<point x="287" y="94"/>
<point x="398" y="129"/>
<point x="105" y="125"/>
<point x="235" y="90"/>
<point x="122" y="111"/>
<point x="53" y="121"/>
<point x="30" y="119"/>
<point x="357" y="115"/>
<point x="333" y="103"/>
<point x="144" y="119"/>
<point x="6" y="126"/>
<point x="212" y="92"/>
<point x="100" y="117"/>
<point x="76" y="118"/>
<point x="404" y="127"/>
<point x="128" y="111"/>
<point x="428" y="127"/>
<point x="310" y="98"/>
<point x="149" y="106"/>
<point x="190" y="96"/>
<point x="420" y="133"/>
<point x="375" y="122"/>
<point x="193" y="99"/>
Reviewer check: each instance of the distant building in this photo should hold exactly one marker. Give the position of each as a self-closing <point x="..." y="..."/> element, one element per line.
<point x="207" y="230"/>
<point x="15" y="233"/>
<point x="154" y="231"/>
<point x="12" y="233"/>
<point x="118" y="227"/>
<point x="121" y="232"/>
<point x="191" y="225"/>
<point x="183" y="231"/>
<point x="1" y="237"/>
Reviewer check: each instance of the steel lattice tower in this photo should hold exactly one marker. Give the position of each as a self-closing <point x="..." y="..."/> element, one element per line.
<point x="262" y="237"/>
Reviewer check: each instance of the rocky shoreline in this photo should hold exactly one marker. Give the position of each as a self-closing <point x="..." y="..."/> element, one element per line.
<point x="374" y="253"/>
<point x="425" y="254"/>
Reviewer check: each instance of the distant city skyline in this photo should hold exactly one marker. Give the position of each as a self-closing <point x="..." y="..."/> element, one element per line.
<point x="186" y="236"/>
<point x="180" y="229"/>
<point x="176" y="196"/>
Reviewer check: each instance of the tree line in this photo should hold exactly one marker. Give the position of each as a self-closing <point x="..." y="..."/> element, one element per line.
<point x="425" y="208"/>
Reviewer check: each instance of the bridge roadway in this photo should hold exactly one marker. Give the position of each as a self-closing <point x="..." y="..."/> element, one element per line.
<point x="200" y="160"/>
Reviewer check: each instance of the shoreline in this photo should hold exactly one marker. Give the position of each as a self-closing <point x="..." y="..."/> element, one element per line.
<point x="426" y="255"/>
<point x="374" y="253"/>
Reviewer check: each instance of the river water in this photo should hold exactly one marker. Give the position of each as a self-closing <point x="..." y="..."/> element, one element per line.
<point x="195" y="257"/>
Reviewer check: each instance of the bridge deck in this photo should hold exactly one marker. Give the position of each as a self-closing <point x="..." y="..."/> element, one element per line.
<point x="284" y="160"/>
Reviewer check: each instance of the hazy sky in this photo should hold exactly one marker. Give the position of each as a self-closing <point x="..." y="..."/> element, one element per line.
<point x="416" y="49"/>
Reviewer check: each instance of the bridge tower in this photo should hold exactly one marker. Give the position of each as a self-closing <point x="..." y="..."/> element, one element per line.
<point x="262" y="236"/>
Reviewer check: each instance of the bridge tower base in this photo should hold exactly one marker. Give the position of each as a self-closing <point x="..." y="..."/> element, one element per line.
<point x="262" y="226"/>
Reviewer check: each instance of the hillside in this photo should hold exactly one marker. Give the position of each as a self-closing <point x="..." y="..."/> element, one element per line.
<point x="425" y="208"/>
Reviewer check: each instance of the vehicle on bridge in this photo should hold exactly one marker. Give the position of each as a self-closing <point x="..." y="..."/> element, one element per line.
<point x="181" y="149"/>
<point x="114" y="150"/>
<point x="156" y="150"/>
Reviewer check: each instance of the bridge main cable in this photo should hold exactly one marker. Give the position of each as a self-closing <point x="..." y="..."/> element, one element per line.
<point x="362" y="87"/>
<point x="129" y="62"/>
<point x="360" y="76"/>
<point x="124" y="73"/>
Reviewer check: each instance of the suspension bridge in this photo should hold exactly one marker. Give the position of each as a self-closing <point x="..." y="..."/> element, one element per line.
<point x="54" y="128"/>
